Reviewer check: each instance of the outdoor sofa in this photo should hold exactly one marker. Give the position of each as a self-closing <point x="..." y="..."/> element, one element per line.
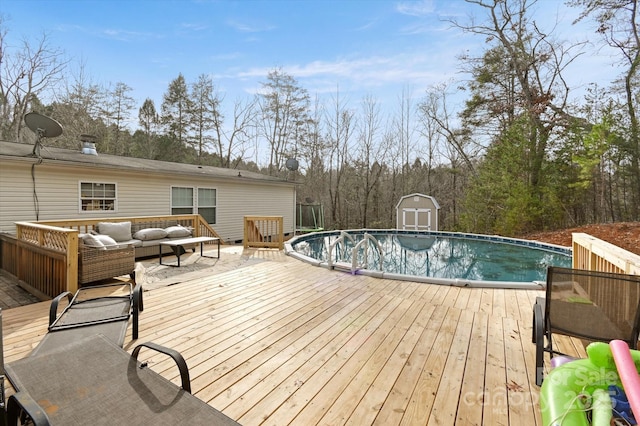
<point x="144" y="240"/>
<point x="111" y="249"/>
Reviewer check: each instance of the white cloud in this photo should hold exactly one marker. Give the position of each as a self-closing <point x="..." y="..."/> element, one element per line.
<point x="194" y="26"/>
<point x="364" y="74"/>
<point x="416" y="8"/>
<point x="249" y="27"/>
<point x="125" y="35"/>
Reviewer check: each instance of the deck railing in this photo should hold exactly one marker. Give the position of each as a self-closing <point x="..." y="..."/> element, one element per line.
<point x="593" y="254"/>
<point x="43" y="255"/>
<point x="264" y="232"/>
<point x="39" y="256"/>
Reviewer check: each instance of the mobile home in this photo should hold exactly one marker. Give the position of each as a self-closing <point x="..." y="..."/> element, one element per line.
<point x="59" y="184"/>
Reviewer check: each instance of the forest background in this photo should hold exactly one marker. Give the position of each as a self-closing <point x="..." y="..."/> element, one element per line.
<point x="519" y="157"/>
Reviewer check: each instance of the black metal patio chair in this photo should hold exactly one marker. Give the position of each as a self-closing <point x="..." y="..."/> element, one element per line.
<point x="589" y="305"/>
<point x="95" y="382"/>
<point x="102" y="309"/>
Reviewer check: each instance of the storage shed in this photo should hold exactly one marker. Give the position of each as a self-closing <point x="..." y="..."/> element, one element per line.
<point x="417" y="212"/>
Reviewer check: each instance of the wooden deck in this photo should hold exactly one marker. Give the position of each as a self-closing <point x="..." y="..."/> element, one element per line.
<point x="282" y="342"/>
<point x="12" y="296"/>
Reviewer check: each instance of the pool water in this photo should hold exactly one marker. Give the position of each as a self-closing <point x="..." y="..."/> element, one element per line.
<point x="453" y="256"/>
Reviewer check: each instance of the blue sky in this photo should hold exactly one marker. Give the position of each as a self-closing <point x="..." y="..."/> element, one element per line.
<point x="364" y="47"/>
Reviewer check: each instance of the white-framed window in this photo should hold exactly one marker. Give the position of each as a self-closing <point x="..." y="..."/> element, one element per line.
<point x="207" y="204"/>
<point x="182" y="200"/>
<point x="98" y="196"/>
<point x="190" y="200"/>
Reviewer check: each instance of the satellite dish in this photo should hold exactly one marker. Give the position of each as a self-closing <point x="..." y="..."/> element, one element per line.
<point x="292" y="164"/>
<point x="43" y="127"/>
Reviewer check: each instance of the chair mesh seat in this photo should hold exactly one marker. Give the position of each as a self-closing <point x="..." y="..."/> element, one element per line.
<point x="104" y="309"/>
<point x="94" y="382"/>
<point x="590" y="305"/>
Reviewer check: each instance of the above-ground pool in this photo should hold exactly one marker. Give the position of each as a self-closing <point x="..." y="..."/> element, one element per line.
<point x="436" y="257"/>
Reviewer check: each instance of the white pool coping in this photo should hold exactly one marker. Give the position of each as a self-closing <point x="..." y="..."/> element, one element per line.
<point x="532" y="285"/>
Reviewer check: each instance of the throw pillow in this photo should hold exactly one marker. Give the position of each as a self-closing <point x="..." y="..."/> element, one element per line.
<point x="119" y="231"/>
<point x="91" y="241"/>
<point x="150" y="234"/>
<point x="106" y="240"/>
<point x="178" y="231"/>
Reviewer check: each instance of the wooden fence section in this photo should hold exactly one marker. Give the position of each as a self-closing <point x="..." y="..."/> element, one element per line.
<point x="593" y="254"/>
<point x="264" y="232"/>
<point x="43" y="255"/>
<point x="43" y="258"/>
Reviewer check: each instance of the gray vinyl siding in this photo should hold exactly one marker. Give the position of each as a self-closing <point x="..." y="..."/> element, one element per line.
<point x="263" y="200"/>
<point x="138" y="194"/>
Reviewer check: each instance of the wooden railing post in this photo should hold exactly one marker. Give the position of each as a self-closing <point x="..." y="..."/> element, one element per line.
<point x="264" y="231"/>
<point x="72" y="261"/>
<point x="591" y="253"/>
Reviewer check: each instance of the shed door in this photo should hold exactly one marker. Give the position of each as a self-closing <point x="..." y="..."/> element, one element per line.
<point x="416" y="219"/>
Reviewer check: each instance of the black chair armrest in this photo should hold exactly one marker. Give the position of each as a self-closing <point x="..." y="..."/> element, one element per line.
<point x="175" y="355"/>
<point x="53" y="310"/>
<point x="137" y="307"/>
<point x="21" y="403"/>
<point x="137" y="298"/>
<point x="539" y="338"/>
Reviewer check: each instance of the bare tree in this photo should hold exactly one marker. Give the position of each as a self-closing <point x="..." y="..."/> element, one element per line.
<point x="404" y="132"/>
<point x="231" y="144"/>
<point x="284" y="109"/>
<point x="312" y="150"/>
<point x="520" y="74"/>
<point x="26" y="73"/>
<point x="79" y="108"/>
<point x="370" y="155"/>
<point x="447" y="144"/>
<point x="339" y="122"/>
<point x="618" y="24"/>
<point x="517" y="108"/>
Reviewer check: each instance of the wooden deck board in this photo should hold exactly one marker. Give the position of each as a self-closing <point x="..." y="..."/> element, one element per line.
<point x="423" y="397"/>
<point x="281" y="342"/>
<point x="446" y="402"/>
<point x="521" y="406"/>
<point x="495" y="409"/>
<point x="376" y="368"/>
<point x="471" y="399"/>
<point x="297" y="370"/>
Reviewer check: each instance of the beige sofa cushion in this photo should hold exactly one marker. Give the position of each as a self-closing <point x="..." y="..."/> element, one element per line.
<point x="106" y="240"/>
<point x="91" y="241"/>
<point x="178" y="232"/>
<point x="119" y="231"/>
<point x="150" y="234"/>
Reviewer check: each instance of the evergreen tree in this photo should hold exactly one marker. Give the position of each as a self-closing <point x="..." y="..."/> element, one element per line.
<point x="205" y="113"/>
<point x="176" y="110"/>
<point x="148" y="120"/>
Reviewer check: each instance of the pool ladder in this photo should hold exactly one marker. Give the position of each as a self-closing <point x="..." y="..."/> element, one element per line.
<point x="363" y="245"/>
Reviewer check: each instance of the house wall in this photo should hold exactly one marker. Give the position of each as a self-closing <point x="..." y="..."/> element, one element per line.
<point x="138" y="194"/>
